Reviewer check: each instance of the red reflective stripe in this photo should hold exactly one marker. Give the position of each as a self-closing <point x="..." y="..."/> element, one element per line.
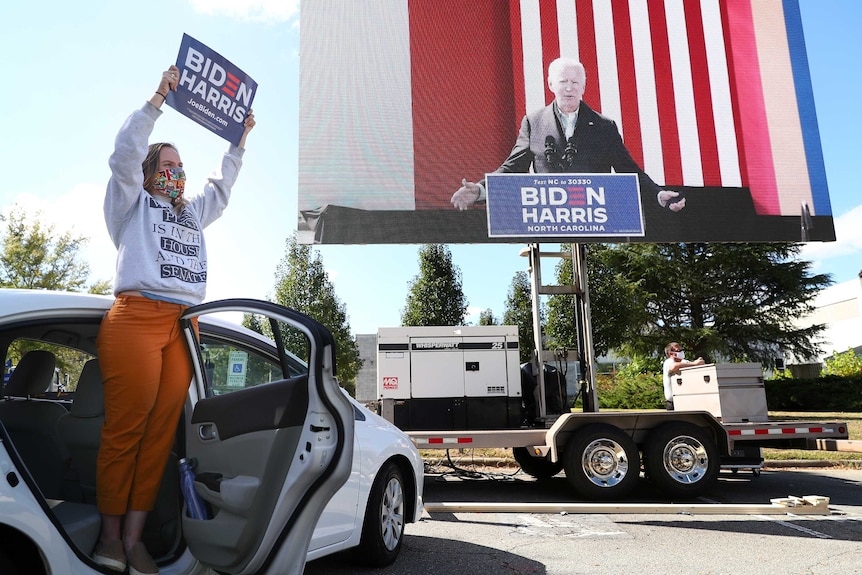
<point x="775" y="431"/>
<point x="435" y="440"/>
<point x="465" y="440"/>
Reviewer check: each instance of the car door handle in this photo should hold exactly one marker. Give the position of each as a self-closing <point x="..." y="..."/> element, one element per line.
<point x="208" y="432"/>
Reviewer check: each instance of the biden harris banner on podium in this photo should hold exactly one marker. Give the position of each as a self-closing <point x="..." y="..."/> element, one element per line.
<point x="563" y="205"/>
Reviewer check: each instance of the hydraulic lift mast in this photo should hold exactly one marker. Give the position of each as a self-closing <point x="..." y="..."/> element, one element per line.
<point x="580" y="290"/>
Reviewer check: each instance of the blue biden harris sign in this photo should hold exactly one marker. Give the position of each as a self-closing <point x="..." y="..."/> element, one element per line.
<point x="563" y="205"/>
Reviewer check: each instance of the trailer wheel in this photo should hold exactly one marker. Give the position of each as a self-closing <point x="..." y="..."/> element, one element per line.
<point x="602" y="462"/>
<point x="681" y="459"/>
<point x="538" y="467"/>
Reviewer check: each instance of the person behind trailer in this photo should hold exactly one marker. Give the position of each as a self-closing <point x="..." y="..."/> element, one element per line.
<point x="144" y="360"/>
<point x="674" y="361"/>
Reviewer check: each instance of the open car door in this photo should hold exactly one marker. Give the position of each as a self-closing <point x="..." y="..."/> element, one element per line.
<point x="270" y="444"/>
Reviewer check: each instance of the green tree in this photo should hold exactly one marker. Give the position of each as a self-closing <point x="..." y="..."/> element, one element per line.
<point x="102" y="287"/>
<point x="436" y="296"/>
<point x="486" y="317"/>
<point x="253" y="322"/>
<point x="519" y="312"/>
<point x="561" y="328"/>
<point x="735" y="302"/>
<point x="35" y="256"/>
<point x="302" y="284"/>
<point x="616" y="304"/>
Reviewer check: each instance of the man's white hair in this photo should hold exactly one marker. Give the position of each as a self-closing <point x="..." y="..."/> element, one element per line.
<point x="559" y="64"/>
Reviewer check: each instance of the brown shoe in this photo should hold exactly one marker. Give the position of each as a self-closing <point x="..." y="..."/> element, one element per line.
<point x="140" y="562"/>
<point x="110" y="555"/>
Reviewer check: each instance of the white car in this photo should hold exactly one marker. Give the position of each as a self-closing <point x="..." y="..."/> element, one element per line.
<point x="291" y="468"/>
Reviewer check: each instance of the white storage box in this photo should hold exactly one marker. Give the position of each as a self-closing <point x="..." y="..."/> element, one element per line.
<point x="732" y="392"/>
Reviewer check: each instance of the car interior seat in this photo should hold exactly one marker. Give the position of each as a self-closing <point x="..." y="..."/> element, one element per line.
<point x="81" y="428"/>
<point x="32" y="423"/>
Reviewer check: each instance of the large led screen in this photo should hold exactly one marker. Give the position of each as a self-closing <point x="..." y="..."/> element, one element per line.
<point x="403" y="101"/>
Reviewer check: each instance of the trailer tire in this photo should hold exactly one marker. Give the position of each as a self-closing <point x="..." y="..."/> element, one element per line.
<point x="538" y="467"/>
<point x="602" y="462"/>
<point x="681" y="459"/>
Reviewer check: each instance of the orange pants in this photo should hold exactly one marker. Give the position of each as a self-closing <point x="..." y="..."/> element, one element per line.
<point x="146" y="370"/>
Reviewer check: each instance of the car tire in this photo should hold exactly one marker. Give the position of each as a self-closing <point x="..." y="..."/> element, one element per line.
<point x="383" y="527"/>
<point x="538" y="467"/>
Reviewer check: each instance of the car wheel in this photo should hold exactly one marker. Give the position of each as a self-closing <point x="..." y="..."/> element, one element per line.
<point x="681" y="459"/>
<point x="538" y="467"/>
<point x="383" y="527"/>
<point x="602" y="463"/>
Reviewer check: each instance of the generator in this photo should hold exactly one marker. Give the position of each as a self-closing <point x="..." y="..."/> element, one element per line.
<point x="445" y="377"/>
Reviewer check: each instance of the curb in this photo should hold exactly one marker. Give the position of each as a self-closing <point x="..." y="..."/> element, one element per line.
<point x="812" y="463"/>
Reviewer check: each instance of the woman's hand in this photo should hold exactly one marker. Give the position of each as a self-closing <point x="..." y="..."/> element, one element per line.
<point x="170" y="80"/>
<point x="249" y="123"/>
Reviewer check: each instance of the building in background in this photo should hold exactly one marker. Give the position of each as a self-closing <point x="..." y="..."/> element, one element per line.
<point x="839" y="308"/>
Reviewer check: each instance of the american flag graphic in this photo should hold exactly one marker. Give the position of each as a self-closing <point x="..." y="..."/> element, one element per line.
<point x="703" y="91"/>
<point x="706" y="93"/>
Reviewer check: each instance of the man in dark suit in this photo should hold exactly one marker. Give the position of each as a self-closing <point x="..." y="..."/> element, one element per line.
<point x="568" y="136"/>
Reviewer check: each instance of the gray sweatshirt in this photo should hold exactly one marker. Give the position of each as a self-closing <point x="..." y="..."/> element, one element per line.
<point x="161" y="252"/>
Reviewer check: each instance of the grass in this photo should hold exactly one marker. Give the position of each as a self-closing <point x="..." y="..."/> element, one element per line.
<point x="853" y="420"/>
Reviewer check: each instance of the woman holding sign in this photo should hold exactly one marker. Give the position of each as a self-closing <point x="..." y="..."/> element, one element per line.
<point x="161" y="271"/>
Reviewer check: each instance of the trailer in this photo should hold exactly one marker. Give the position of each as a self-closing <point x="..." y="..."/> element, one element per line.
<point x="462" y="387"/>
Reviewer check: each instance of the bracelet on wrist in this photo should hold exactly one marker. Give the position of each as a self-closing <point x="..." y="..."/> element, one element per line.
<point x="164" y="96"/>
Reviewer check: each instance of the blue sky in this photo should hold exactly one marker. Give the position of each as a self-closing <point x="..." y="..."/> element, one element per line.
<point x="74" y="71"/>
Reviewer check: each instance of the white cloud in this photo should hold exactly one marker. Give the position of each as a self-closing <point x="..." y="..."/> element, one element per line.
<point x="256" y="10"/>
<point x="848" y="234"/>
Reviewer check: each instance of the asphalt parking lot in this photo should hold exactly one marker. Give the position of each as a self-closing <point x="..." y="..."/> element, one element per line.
<point x="663" y="539"/>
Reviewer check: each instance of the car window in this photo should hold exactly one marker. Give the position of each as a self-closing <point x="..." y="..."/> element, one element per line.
<point x="70" y="362"/>
<point x="235" y="358"/>
<point x="230" y="367"/>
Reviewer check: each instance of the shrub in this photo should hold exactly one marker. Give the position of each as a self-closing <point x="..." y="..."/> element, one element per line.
<point x="827" y="393"/>
<point x="846" y="364"/>
<point x="630" y="389"/>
